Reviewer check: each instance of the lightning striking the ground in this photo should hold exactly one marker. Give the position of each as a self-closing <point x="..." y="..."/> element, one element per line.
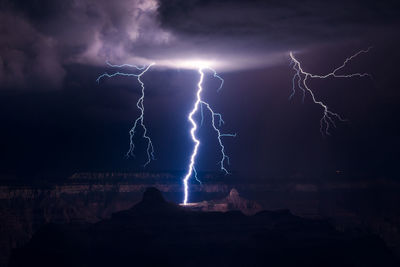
<point x="300" y="79"/>
<point x="216" y="121"/>
<point x="199" y="103"/>
<point x="139" y="104"/>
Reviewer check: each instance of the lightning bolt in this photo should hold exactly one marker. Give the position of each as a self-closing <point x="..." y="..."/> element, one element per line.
<point x="301" y="77"/>
<point x="216" y="121"/>
<point x="139" y="104"/>
<point x="199" y="103"/>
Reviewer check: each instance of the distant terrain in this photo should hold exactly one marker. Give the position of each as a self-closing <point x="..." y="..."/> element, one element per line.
<point x="91" y="197"/>
<point x="155" y="232"/>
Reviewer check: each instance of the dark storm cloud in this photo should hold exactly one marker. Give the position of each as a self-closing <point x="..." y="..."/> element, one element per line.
<point x="38" y="39"/>
<point x="277" y="23"/>
<point x="26" y="54"/>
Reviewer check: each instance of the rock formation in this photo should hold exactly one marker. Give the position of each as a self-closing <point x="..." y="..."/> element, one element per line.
<point x="155" y="232"/>
<point x="232" y="202"/>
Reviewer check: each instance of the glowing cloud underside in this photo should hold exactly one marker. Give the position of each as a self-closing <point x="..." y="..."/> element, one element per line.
<point x="301" y="77"/>
<point x="198" y="105"/>
<point x="139" y="104"/>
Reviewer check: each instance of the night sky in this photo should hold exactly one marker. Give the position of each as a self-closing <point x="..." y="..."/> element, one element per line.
<point x="55" y="118"/>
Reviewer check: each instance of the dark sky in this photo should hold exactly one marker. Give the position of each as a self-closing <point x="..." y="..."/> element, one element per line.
<point x="56" y="118"/>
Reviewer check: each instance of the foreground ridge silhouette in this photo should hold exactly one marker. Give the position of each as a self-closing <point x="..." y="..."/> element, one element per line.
<point x="155" y="232"/>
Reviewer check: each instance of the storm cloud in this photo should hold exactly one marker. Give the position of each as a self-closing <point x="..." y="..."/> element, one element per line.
<point x="38" y="39"/>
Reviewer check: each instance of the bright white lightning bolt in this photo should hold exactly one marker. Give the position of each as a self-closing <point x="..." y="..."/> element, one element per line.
<point x="199" y="103"/>
<point x="139" y="105"/>
<point x="302" y="76"/>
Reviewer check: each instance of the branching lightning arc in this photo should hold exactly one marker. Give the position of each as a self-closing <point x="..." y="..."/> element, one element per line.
<point x="299" y="81"/>
<point x="300" y="78"/>
<point x="139" y="104"/>
<point x="199" y="103"/>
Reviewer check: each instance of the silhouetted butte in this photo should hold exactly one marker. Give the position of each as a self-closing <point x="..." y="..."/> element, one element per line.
<point x="158" y="233"/>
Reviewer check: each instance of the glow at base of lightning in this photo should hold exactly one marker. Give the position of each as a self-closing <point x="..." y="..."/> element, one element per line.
<point x="199" y="103"/>
<point x="329" y="117"/>
<point x="139" y="104"/>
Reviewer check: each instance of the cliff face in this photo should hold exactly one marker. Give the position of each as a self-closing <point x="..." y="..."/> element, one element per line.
<point x="84" y="198"/>
<point x="155" y="232"/>
<point x="24" y="213"/>
<point x="90" y="197"/>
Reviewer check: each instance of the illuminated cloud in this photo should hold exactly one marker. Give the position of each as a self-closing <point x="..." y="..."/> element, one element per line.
<point x="40" y="38"/>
